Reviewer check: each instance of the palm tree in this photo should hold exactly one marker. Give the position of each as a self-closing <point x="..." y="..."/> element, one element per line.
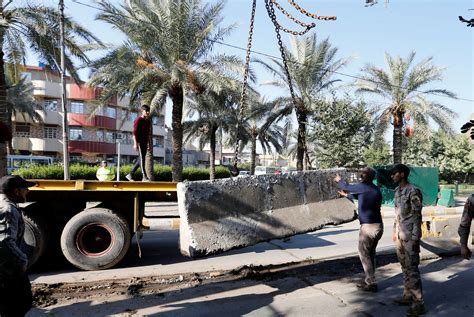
<point x="403" y="85"/>
<point x="166" y="56"/>
<point x="34" y="27"/>
<point x="311" y="66"/>
<point x="20" y="100"/>
<point x="208" y="113"/>
<point x="259" y="126"/>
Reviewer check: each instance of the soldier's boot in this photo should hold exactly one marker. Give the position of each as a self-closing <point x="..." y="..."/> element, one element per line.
<point x="416" y="309"/>
<point x="405" y="300"/>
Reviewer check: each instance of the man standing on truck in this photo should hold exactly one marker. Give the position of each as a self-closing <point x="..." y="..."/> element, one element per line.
<point x="406" y="235"/>
<point x="15" y="287"/>
<point x="369" y="200"/>
<point x="141" y="135"/>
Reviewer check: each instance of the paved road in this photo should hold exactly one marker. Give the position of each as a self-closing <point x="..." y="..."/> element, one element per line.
<point x="308" y="291"/>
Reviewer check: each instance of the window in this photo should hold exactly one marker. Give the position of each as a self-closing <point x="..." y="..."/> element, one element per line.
<point x="77" y="107"/>
<point x="111" y="112"/>
<point x="100" y="135"/>
<point x="132" y="116"/>
<point x="22" y="130"/>
<point x="154" y="120"/>
<point x="50" y="105"/>
<point x="109" y="137"/>
<point x="50" y="132"/>
<point x="75" y="134"/>
<point x="123" y="114"/>
<point x="26" y="75"/>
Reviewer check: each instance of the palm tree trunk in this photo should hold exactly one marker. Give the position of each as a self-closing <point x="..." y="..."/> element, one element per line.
<point x="149" y="157"/>
<point x="176" y="94"/>
<point x="3" y="102"/>
<point x="397" y="137"/>
<point x="212" y="166"/>
<point x="301" y="118"/>
<point x="253" y="154"/>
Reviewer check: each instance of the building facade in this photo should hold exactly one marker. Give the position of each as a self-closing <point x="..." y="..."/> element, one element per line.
<point x="95" y="132"/>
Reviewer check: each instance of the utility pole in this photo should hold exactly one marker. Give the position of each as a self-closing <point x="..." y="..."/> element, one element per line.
<point x="63" y="95"/>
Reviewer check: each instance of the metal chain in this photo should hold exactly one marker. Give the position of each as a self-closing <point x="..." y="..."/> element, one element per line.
<point x="309" y="14"/>
<point x="244" y="83"/>
<point x="271" y="14"/>
<point x="307" y="26"/>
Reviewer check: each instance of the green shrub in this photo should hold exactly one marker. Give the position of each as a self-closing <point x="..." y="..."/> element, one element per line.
<point x="162" y="173"/>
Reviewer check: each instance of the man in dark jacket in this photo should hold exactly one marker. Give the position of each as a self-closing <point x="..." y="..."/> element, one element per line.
<point x="369" y="200"/>
<point x="141" y="135"/>
<point x="465" y="226"/>
<point x="15" y="287"/>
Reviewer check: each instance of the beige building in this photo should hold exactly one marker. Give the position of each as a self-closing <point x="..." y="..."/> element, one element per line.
<point x="93" y="131"/>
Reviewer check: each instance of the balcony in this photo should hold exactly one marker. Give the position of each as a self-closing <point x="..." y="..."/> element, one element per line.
<point x="46" y="88"/>
<point x="85" y="120"/>
<point x="76" y="146"/>
<point x="86" y="93"/>
<point x="37" y="145"/>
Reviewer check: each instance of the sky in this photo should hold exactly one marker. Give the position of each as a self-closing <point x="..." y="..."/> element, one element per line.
<point x="429" y="27"/>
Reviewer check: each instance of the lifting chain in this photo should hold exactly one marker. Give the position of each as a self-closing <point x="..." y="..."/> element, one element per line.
<point x="244" y="86"/>
<point x="271" y="14"/>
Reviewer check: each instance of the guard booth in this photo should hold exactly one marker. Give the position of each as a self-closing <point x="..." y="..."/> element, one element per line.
<point x="425" y="178"/>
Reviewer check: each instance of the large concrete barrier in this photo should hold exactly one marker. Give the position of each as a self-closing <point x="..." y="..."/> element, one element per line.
<point x="224" y="214"/>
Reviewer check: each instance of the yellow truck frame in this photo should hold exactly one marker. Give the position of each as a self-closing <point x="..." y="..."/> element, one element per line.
<point x="93" y="221"/>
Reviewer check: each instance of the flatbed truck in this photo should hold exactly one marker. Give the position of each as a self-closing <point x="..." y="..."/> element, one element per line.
<point x="91" y="222"/>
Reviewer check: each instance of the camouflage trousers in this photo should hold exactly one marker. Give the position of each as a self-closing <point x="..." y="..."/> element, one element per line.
<point x="369" y="236"/>
<point x="408" y="253"/>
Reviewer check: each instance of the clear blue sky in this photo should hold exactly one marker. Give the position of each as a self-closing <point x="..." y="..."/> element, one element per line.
<point x="428" y="27"/>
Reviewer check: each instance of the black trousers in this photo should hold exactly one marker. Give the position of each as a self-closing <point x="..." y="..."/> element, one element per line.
<point x="140" y="160"/>
<point x="15" y="296"/>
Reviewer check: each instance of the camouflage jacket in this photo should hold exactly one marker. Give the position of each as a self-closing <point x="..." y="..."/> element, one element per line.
<point x="408" y="205"/>
<point x="12" y="229"/>
<point x="466" y="219"/>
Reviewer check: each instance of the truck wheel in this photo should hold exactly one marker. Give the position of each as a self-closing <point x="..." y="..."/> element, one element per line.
<point x="35" y="238"/>
<point x="95" y="239"/>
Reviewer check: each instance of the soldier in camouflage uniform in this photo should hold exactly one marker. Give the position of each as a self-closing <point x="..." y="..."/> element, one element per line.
<point x="406" y="235"/>
<point x="465" y="226"/>
<point x="15" y="287"/>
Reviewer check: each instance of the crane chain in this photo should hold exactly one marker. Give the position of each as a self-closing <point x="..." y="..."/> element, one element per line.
<point x="309" y="14"/>
<point x="271" y="14"/>
<point x="244" y="85"/>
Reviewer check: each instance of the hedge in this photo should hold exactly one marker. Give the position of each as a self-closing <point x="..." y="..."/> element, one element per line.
<point x="79" y="171"/>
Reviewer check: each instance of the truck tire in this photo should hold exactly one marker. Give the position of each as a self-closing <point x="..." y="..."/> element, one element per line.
<point x="95" y="239"/>
<point x="35" y="238"/>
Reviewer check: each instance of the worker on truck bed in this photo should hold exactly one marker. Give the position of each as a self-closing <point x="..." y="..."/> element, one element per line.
<point x="15" y="287"/>
<point x="104" y="173"/>
<point x="141" y="135"/>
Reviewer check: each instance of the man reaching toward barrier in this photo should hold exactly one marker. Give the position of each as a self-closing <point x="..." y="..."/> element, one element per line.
<point x="369" y="200"/>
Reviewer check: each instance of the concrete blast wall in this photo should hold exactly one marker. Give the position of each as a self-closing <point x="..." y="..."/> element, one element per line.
<point x="224" y="214"/>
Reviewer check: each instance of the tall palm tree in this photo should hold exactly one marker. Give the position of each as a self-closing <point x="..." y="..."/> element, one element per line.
<point x="34" y="28"/>
<point x="311" y="65"/>
<point x="403" y="85"/>
<point x="260" y="126"/>
<point x="208" y="113"/>
<point x="166" y="55"/>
